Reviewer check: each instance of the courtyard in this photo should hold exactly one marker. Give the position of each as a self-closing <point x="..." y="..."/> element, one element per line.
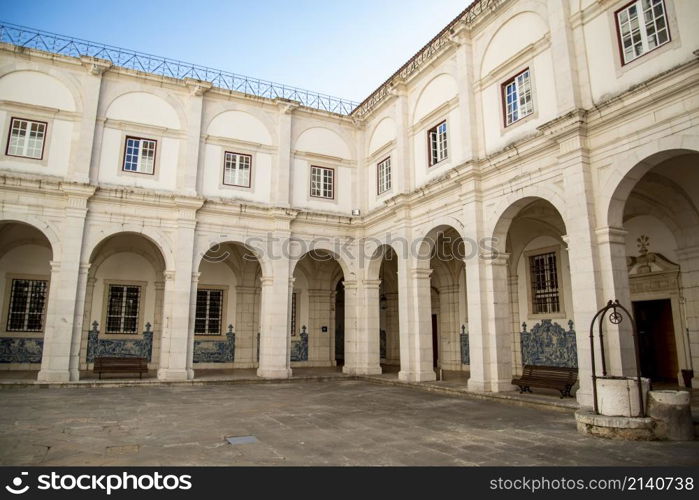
<point x="299" y="423"/>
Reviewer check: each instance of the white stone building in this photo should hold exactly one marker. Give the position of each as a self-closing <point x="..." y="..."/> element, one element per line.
<point x="549" y="150"/>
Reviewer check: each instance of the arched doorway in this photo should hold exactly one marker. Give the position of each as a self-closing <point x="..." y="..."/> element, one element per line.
<point x="656" y="206"/>
<point x="25" y="279"/>
<point x="225" y="314"/>
<point x="532" y="311"/>
<point x="123" y="301"/>
<point x="315" y="306"/>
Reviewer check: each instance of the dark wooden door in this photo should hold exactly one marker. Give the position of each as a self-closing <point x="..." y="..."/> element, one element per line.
<point x="656" y="339"/>
<point x="435" y="342"/>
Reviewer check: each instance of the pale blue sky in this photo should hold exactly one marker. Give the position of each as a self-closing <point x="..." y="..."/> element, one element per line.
<point x="344" y="49"/>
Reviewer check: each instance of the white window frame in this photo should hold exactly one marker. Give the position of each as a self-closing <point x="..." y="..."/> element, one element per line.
<point x="645" y="18"/>
<point x="322" y="182"/>
<point x="518" y="97"/>
<point x="437" y="143"/>
<point x="22" y="146"/>
<point x="384" y="176"/>
<point x="235" y="167"/>
<point x="207" y="317"/>
<point x="143" y="164"/>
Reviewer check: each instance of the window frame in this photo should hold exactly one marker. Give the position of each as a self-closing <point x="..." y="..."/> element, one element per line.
<point x="43" y="141"/>
<point x="379" y="191"/>
<point x="503" y="97"/>
<point x="141" y="306"/>
<point x="331" y="169"/>
<point x="225" y="155"/>
<point x="642" y="29"/>
<point x="430" y="160"/>
<point x="222" y="313"/>
<point x="126" y="148"/>
<point x="556" y="251"/>
<point x="10" y="279"/>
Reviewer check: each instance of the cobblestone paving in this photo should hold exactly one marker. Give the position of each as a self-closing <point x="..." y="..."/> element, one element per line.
<point x="301" y="423"/>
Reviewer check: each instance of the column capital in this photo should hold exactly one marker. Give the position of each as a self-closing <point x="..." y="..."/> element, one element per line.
<point x="371" y="283"/>
<point x="420" y="273"/>
<point x="495" y="258"/>
<point x="195" y="277"/>
<point x="613" y="235"/>
<point x="55" y="266"/>
<point x="85" y="267"/>
<point x="169" y="275"/>
<point x="266" y="280"/>
<point x="347" y="284"/>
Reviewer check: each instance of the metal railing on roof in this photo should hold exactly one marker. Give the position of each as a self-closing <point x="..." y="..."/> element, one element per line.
<point x="22" y="36"/>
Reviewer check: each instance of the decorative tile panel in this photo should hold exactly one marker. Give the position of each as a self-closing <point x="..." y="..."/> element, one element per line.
<point x="549" y="344"/>
<point x="119" y="348"/>
<point x="465" y="355"/>
<point x="20" y="350"/>
<point x="382" y="344"/>
<point x="215" y="351"/>
<point x="299" y="348"/>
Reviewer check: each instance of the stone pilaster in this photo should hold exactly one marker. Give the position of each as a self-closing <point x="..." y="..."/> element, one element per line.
<point x="362" y="309"/>
<point x="416" y="342"/>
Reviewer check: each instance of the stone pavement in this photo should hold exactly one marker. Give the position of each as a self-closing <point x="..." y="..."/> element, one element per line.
<point x="336" y="422"/>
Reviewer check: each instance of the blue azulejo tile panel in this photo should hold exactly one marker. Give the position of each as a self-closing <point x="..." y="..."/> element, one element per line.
<point x="465" y="356"/>
<point x="299" y="348"/>
<point x="549" y="344"/>
<point x="20" y="350"/>
<point x="215" y="351"/>
<point x="382" y="344"/>
<point x="118" y="348"/>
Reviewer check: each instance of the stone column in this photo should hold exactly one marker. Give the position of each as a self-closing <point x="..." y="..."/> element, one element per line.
<point x="362" y="308"/>
<point x="87" y="319"/>
<point x="513" y="287"/>
<point x="416" y="328"/>
<point x="190" y="329"/>
<point x="619" y="347"/>
<point x="275" y="321"/>
<point x="176" y="336"/>
<point x="498" y="367"/>
<point x="449" y="328"/>
<point x="189" y="162"/>
<point x="63" y="289"/>
<point x="85" y="132"/>
<point x="246" y="324"/>
<point x="78" y="321"/>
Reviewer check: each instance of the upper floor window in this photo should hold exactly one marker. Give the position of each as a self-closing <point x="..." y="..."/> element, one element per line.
<point x="236" y="169"/>
<point x="322" y="182"/>
<point x="383" y="172"/>
<point x="27" y="302"/>
<point x="544" y="283"/>
<point x="209" y="312"/>
<point x="123" y="303"/>
<point x="139" y="155"/>
<point x="642" y="27"/>
<point x="26" y="139"/>
<point x="437" y="139"/>
<point x="517" y="95"/>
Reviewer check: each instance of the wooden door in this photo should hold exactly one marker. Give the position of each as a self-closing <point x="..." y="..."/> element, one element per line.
<point x="656" y="335"/>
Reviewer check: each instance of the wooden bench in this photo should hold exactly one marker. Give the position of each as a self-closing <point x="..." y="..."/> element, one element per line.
<point x="547" y="377"/>
<point x="121" y="365"/>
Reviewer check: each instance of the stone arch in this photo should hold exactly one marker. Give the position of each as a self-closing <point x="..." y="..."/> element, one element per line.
<point x="325" y="141"/>
<point x="437" y="91"/>
<point x="254" y="128"/>
<point x="44" y="227"/>
<point x="147" y="108"/>
<point x="96" y="239"/>
<point x="626" y="174"/>
<point x="535" y="11"/>
<point x="383" y="133"/>
<point x="59" y="91"/>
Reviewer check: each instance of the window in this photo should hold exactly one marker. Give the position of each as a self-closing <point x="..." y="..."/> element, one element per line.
<point x="139" y="155"/>
<point x="209" y="313"/>
<point x="322" y="182"/>
<point x="236" y="169"/>
<point x="293" y="314"/>
<point x="544" y="282"/>
<point x="383" y="172"/>
<point x="27" y="302"/>
<point x="437" y="139"/>
<point x="26" y="139"/>
<point x="123" y="302"/>
<point x="517" y="95"/>
<point x="642" y="27"/>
